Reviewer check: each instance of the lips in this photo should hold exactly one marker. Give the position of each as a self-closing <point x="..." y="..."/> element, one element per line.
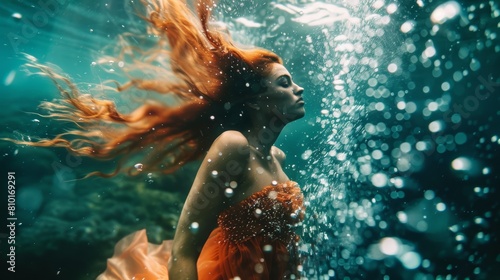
<point x="301" y="100"/>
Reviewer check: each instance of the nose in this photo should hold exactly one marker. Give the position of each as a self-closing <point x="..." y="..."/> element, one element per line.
<point x="298" y="90"/>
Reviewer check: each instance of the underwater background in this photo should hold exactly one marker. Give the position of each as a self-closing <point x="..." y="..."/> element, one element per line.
<point x="397" y="155"/>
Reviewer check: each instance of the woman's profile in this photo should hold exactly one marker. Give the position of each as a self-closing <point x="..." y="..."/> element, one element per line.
<point x="237" y="221"/>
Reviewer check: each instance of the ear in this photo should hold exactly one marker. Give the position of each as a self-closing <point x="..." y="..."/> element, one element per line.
<point x="252" y="105"/>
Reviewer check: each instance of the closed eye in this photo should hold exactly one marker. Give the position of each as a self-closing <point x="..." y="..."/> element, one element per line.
<point x="285" y="81"/>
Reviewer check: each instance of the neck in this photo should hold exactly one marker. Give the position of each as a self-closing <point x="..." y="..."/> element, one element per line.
<point x="262" y="135"/>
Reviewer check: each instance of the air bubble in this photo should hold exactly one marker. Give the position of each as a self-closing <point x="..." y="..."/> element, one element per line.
<point x="407" y="26"/>
<point x="410" y="260"/>
<point x="429" y="52"/>
<point x="461" y="164"/>
<point x="259" y="268"/>
<point x="440" y="207"/>
<point x="267" y="248"/>
<point x="9" y="78"/>
<point x="429" y="194"/>
<point x="436" y="126"/>
<point x="392" y="8"/>
<point x="257" y="213"/>
<point x="194" y="227"/>
<point x="392" y="68"/>
<point x="379" y="180"/>
<point x="228" y="192"/>
<point x="138" y="166"/>
<point x="475" y="64"/>
<point x="389" y="246"/>
<point x="402" y="217"/>
<point x="445" y="11"/>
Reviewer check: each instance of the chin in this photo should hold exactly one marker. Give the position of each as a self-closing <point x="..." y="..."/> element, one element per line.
<point x="302" y="115"/>
<point x="298" y="114"/>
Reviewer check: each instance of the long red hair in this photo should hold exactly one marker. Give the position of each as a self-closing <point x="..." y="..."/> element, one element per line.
<point x="209" y="75"/>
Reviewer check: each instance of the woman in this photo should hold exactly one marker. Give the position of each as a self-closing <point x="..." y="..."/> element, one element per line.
<point x="240" y="208"/>
<point x="237" y="219"/>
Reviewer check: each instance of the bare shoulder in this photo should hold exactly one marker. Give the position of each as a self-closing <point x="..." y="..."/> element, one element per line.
<point x="231" y="138"/>
<point x="232" y="144"/>
<point x="279" y="154"/>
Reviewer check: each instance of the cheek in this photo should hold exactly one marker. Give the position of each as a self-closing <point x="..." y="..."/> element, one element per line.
<point x="276" y="99"/>
<point x="279" y="99"/>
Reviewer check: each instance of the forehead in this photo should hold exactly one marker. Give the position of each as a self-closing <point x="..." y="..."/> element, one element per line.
<point x="277" y="70"/>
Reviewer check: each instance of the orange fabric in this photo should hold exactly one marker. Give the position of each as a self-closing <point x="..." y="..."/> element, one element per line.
<point x="135" y="257"/>
<point x="254" y="240"/>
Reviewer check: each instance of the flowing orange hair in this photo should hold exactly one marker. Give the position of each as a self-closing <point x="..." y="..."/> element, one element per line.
<point x="211" y="76"/>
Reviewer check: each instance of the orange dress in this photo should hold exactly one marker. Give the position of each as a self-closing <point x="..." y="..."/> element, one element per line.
<point x="254" y="240"/>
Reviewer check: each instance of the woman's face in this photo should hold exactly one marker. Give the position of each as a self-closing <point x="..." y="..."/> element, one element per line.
<point x="282" y="96"/>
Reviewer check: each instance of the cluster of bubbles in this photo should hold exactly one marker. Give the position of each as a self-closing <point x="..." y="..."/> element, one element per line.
<point x="400" y="101"/>
<point x="139" y="167"/>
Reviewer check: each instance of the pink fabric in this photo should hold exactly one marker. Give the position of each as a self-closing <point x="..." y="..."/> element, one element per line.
<point x="135" y="257"/>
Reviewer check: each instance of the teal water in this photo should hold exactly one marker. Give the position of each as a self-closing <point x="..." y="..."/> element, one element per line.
<point x="397" y="156"/>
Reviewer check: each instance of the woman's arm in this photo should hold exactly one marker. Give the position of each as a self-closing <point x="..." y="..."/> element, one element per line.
<point x="226" y="161"/>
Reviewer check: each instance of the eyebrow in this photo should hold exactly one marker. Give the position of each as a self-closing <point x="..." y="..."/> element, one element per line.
<point x="288" y="77"/>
